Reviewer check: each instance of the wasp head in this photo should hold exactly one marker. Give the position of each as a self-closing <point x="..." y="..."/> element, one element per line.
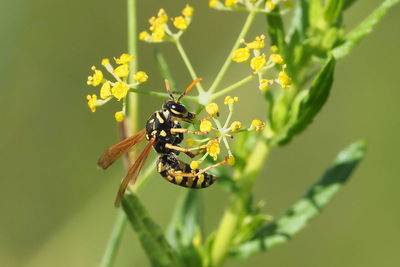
<point x="178" y="110"/>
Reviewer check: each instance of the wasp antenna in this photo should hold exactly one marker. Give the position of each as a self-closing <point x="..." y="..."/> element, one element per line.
<point x="190" y="87"/>
<point x="168" y="88"/>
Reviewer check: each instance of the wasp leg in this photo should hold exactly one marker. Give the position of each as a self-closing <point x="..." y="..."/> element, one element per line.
<point x="207" y="118"/>
<point x="183" y="130"/>
<point x="184" y="150"/>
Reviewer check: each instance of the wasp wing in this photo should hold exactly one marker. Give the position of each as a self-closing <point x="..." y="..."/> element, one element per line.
<point x="116" y="151"/>
<point x="133" y="172"/>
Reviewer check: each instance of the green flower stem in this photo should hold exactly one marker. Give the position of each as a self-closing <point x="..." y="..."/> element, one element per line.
<point x="115" y="240"/>
<point x="228" y="60"/>
<point x="162" y="95"/>
<point x="188" y="65"/>
<point x="232" y="216"/>
<point x="232" y="87"/>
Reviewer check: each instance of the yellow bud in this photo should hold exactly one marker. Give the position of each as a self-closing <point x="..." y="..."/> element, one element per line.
<point x="120" y="90"/>
<point x="123" y="59"/>
<point x="269" y="5"/>
<point x="92" y="102"/>
<point x="258" y="43"/>
<point x="213" y="3"/>
<point x="105" y="91"/>
<point x="230" y="100"/>
<point x="105" y="61"/>
<point x="257" y="125"/>
<point x="284" y="80"/>
<point x="241" y="54"/>
<point x="194" y="165"/>
<point x="143" y="35"/>
<point x="122" y="71"/>
<point x="274" y="48"/>
<point x="188" y="11"/>
<point x="264" y="84"/>
<point x="162" y="16"/>
<point x="141" y="76"/>
<point x="230" y="3"/>
<point x="213" y="149"/>
<point x="119" y="116"/>
<point x="205" y="126"/>
<point x="180" y="23"/>
<point x="212" y="109"/>
<point x="276" y="58"/>
<point x="96" y="78"/>
<point x="236" y="125"/>
<point x="258" y="62"/>
<point x="231" y="160"/>
<point x="158" y="34"/>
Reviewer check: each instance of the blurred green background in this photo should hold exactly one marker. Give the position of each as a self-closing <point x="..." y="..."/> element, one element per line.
<point x="57" y="207"/>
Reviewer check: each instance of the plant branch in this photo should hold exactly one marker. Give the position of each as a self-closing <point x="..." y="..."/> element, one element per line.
<point x="232" y="87"/>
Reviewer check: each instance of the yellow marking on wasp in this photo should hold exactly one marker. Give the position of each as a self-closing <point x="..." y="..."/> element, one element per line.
<point x="161" y="167"/>
<point x="163" y="133"/>
<point x="151" y="121"/>
<point x="178" y="179"/>
<point x="175" y="111"/>
<point x="189" y="182"/>
<point x="170" y="178"/>
<point x="201" y="180"/>
<point x="154" y="132"/>
<point x="160" y="120"/>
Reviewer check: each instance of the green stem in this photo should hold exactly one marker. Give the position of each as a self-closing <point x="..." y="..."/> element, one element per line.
<point x="232" y="216"/>
<point x="232" y="87"/>
<point x="114" y="241"/>
<point x="228" y="60"/>
<point x="188" y="65"/>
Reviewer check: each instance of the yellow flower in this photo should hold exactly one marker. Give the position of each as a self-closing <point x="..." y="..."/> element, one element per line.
<point x="180" y="23"/>
<point x="123" y="59"/>
<point x="258" y="62"/>
<point x="213" y="3"/>
<point x="96" y="78"/>
<point x="194" y="165"/>
<point x="122" y="71"/>
<point x="276" y="58"/>
<point x="120" y="90"/>
<point x="191" y="142"/>
<point x="284" y="80"/>
<point x="241" y="54"/>
<point x="143" y="35"/>
<point x="213" y="149"/>
<point x="187" y="11"/>
<point x="236" y="125"/>
<point x="105" y="61"/>
<point x="162" y="16"/>
<point x="119" y="116"/>
<point x="274" y="48"/>
<point x="92" y="102"/>
<point x="205" y="126"/>
<point x="257" y="125"/>
<point x="230" y="3"/>
<point x="231" y="160"/>
<point x="230" y="100"/>
<point x="158" y="34"/>
<point x="141" y="76"/>
<point x="269" y="5"/>
<point x="105" y="90"/>
<point x="212" y="109"/>
<point x="264" y="84"/>
<point x="258" y="43"/>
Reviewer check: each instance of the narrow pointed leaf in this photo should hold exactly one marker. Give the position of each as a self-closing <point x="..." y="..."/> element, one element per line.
<point x="164" y="68"/>
<point x="299" y="215"/>
<point x="307" y="104"/>
<point x="363" y="29"/>
<point x="276" y="30"/>
<point x="149" y="233"/>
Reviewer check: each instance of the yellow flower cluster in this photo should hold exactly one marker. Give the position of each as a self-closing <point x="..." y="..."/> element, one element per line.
<point x="118" y="89"/>
<point x="259" y="63"/>
<point x="248" y="5"/>
<point x="159" y="30"/>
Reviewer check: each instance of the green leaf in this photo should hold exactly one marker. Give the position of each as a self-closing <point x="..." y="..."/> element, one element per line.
<point x="299" y="215"/>
<point x="333" y="11"/>
<point x="149" y="233"/>
<point x="348" y="3"/>
<point x="363" y="29"/>
<point x="276" y="30"/>
<point x="183" y="230"/>
<point x="164" y="69"/>
<point x="307" y="104"/>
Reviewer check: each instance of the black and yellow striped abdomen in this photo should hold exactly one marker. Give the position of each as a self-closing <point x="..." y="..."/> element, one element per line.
<point x="180" y="173"/>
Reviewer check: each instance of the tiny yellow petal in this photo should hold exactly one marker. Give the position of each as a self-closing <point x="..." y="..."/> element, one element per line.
<point x="236" y="125"/>
<point x="269" y="5"/>
<point x="213" y="3"/>
<point x="180" y="23"/>
<point x="284" y="80"/>
<point x="120" y="90"/>
<point x="241" y="54"/>
<point x="230" y="100"/>
<point x="105" y="61"/>
<point x="141" y="76"/>
<point x="143" y="35"/>
<point x="119" y="116"/>
<point x="188" y="11"/>
<point x="162" y="16"/>
<point x="205" y="126"/>
<point x="96" y="78"/>
<point x="105" y="91"/>
<point x="274" y="48"/>
<point x="123" y="59"/>
<point x="258" y="43"/>
<point x="194" y="165"/>
<point x="212" y="109"/>
<point x="213" y="149"/>
<point x="230" y="3"/>
<point x="122" y="71"/>
<point x="92" y="102"/>
<point x="231" y="160"/>
<point x="276" y="58"/>
<point x="258" y="62"/>
<point x="257" y="125"/>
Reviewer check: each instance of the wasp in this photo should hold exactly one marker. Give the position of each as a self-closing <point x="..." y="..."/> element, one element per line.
<point x="164" y="133"/>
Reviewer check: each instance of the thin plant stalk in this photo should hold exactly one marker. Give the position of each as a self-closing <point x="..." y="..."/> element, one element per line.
<point x="232" y="87"/>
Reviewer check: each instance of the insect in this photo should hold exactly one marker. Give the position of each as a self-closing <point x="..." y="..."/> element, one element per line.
<point x="164" y="133"/>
